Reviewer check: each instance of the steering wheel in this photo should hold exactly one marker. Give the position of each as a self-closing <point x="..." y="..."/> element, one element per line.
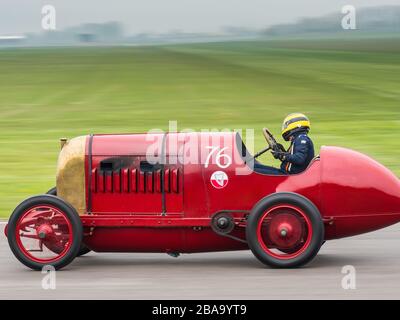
<point x="270" y="139"/>
<point x="272" y="144"/>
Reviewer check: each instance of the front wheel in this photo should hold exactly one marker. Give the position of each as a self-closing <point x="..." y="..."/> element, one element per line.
<point x="83" y="250"/>
<point x="285" y="230"/>
<point x="45" y="230"/>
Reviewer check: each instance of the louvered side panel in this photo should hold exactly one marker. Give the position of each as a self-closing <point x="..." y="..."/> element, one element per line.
<point x="117" y="181"/>
<point x="133" y="181"/>
<point x="175" y="180"/>
<point x="94" y="185"/>
<point x="142" y="182"/>
<point x="119" y="186"/>
<point x="157" y="181"/>
<point x="108" y="182"/>
<point x="125" y="180"/>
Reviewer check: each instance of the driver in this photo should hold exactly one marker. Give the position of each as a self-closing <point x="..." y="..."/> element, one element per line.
<point x="295" y="129"/>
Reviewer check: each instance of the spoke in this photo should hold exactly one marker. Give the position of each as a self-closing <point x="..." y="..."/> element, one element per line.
<point x="43" y="214"/>
<point x="29" y="223"/>
<point x="62" y="237"/>
<point x="30" y="236"/>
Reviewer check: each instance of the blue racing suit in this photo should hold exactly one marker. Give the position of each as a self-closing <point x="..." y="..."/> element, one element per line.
<point x="300" y="154"/>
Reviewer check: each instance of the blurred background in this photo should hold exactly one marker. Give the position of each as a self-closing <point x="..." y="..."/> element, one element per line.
<point x="130" y="66"/>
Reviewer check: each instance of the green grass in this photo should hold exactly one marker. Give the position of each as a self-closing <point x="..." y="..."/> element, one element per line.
<point x="349" y="89"/>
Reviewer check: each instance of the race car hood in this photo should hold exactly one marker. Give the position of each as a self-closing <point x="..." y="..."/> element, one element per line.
<point x="70" y="178"/>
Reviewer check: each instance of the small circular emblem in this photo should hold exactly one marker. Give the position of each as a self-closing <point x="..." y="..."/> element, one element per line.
<point x="219" y="179"/>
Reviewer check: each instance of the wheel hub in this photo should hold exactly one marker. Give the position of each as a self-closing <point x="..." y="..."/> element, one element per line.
<point x="44" y="231"/>
<point x="285" y="230"/>
<point x="223" y="222"/>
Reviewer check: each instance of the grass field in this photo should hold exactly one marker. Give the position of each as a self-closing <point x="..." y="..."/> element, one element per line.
<point x="349" y="89"/>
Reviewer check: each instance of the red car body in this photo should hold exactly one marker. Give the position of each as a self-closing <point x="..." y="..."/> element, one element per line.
<point x="172" y="204"/>
<point x="353" y="193"/>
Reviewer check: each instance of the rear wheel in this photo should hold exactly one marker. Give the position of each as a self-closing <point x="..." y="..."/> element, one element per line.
<point x="285" y="230"/>
<point x="84" y="249"/>
<point x="45" y="230"/>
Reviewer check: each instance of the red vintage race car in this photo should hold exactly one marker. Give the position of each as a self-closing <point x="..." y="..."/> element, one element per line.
<point x="198" y="192"/>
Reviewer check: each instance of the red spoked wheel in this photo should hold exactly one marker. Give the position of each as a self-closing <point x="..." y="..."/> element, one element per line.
<point x="45" y="230"/>
<point x="285" y="230"/>
<point x="44" y="234"/>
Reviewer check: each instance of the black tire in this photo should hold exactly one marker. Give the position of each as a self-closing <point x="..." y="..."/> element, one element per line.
<point x="307" y="207"/>
<point x="83" y="250"/>
<point x="70" y="214"/>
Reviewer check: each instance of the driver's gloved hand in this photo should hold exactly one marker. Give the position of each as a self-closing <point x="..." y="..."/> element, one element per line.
<point x="275" y="154"/>
<point x="279" y="155"/>
<point x="280" y="147"/>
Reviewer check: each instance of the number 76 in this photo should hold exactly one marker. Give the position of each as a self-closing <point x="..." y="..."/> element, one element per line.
<point x="219" y="157"/>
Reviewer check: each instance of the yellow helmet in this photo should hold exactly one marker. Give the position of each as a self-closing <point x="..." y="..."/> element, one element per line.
<point x="293" y="123"/>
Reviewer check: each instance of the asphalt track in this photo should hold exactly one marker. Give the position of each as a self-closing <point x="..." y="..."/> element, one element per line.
<point x="230" y="275"/>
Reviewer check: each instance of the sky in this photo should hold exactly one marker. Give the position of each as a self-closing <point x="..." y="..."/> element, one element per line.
<point x="137" y="16"/>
